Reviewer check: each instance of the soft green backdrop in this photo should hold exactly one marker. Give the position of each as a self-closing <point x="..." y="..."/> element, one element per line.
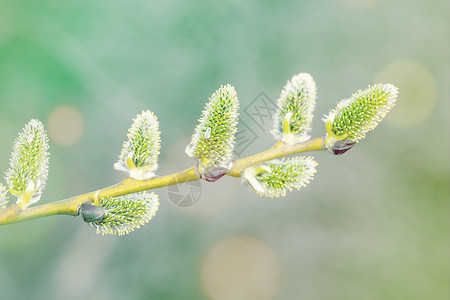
<point x="374" y="223"/>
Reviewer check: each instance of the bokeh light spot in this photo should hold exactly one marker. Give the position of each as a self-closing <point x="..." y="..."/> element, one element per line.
<point x="240" y="268"/>
<point x="65" y="125"/>
<point x="417" y="92"/>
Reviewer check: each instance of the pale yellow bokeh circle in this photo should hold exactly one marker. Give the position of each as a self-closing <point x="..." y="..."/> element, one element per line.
<point x="240" y="268"/>
<point x="417" y="92"/>
<point x="65" y="125"/>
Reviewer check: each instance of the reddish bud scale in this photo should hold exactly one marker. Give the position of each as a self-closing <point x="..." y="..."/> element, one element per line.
<point x="214" y="173"/>
<point x="340" y="147"/>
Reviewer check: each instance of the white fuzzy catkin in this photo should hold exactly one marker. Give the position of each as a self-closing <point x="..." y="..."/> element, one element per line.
<point x="273" y="178"/>
<point x="292" y="120"/>
<point x="354" y="117"/>
<point x="139" y="155"/>
<point x="27" y="174"/>
<point x="213" y="140"/>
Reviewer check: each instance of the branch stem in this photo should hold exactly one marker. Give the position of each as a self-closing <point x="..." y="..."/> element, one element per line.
<point x="280" y="149"/>
<point x="70" y="206"/>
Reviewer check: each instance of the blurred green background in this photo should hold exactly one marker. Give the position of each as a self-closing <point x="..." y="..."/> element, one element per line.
<point x="373" y="224"/>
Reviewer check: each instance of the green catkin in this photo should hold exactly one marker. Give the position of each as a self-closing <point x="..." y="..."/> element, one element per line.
<point x="354" y="117"/>
<point x="213" y="140"/>
<point x="292" y="120"/>
<point x="273" y="178"/>
<point x="139" y="155"/>
<point x="27" y="174"/>
<point x="123" y="214"/>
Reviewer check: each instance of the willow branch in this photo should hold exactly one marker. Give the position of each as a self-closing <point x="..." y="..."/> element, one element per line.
<point x="70" y="206"/>
<point x="280" y="149"/>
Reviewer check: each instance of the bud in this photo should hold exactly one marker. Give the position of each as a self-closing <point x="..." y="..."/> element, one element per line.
<point x="340" y="147"/>
<point x="91" y="213"/>
<point x="3" y="197"/>
<point x="123" y="214"/>
<point x="213" y="140"/>
<point x="140" y="152"/>
<point x="354" y="117"/>
<point x="292" y="121"/>
<point x="271" y="179"/>
<point x="214" y="173"/>
<point x="27" y="174"/>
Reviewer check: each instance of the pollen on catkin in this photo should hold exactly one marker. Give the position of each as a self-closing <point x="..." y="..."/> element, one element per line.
<point x="213" y="140"/>
<point x="3" y="197"/>
<point x="292" y="120"/>
<point x="273" y="178"/>
<point x="139" y="155"/>
<point x="27" y="174"/>
<point x="123" y="214"/>
<point x="354" y="117"/>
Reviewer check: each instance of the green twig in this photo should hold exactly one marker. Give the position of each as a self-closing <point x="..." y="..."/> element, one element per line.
<point x="70" y="206"/>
